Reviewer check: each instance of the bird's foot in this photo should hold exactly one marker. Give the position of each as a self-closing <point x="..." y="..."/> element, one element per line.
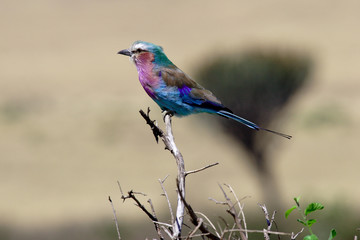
<point x="167" y="112"/>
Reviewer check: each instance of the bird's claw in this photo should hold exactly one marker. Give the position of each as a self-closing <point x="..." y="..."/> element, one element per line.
<point x="165" y="113"/>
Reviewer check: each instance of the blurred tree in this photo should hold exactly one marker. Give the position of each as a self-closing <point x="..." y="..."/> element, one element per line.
<point x="256" y="85"/>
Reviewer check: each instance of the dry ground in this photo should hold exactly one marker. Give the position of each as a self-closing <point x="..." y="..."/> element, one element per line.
<point x="69" y="122"/>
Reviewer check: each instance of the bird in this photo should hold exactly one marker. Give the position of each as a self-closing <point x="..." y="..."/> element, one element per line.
<point x="173" y="90"/>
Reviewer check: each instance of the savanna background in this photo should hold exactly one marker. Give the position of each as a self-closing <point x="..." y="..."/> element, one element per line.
<point x="70" y="127"/>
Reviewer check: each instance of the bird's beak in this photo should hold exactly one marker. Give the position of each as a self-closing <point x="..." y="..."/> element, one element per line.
<point x="125" y="52"/>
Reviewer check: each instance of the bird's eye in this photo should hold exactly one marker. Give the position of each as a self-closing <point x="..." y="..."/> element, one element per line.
<point x="139" y="50"/>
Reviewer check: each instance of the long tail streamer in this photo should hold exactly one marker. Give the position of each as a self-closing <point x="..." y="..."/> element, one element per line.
<point x="252" y="125"/>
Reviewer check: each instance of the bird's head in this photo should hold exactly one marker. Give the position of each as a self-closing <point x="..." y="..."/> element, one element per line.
<point x="142" y="52"/>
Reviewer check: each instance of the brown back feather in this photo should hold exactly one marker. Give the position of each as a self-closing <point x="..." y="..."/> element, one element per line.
<point x="174" y="77"/>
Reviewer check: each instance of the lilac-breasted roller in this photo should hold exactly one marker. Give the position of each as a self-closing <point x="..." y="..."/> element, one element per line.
<point x="173" y="90"/>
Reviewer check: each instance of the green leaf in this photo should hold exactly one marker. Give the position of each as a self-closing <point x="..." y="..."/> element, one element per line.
<point x="289" y="211"/>
<point x="311" y="237"/>
<point x="332" y="234"/>
<point x="313" y="207"/>
<point x="310" y="222"/>
<point x="302" y="222"/>
<point x="297" y="201"/>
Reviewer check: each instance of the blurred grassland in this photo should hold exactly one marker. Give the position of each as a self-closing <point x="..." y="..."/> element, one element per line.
<point x="69" y="104"/>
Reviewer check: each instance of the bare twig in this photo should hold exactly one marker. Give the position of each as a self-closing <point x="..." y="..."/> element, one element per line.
<point x="115" y="218"/>
<point x="266" y="235"/>
<point x="269" y="221"/>
<point x="198" y="235"/>
<point x="153" y="218"/>
<point x="156" y="223"/>
<point x="195" y="220"/>
<point x="232" y="212"/>
<point x="233" y="227"/>
<point x="216" y="201"/>
<point x="221" y="230"/>
<point x="294" y="236"/>
<point x="241" y="212"/>
<point x="152" y="207"/>
<point x="164" y="224"/>
<point x="166" y="231"/>
<point x="211" y="224"/>
<point x="167" y="198"/>
<point x="123" y="197"/>
<point x="195" y="229"/>
<point x="260" y="231"/>
<point x="132" y="196"/>
<point x="201" y="169"/>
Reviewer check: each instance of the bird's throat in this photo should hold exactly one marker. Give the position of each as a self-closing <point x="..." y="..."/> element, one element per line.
<point x="145" y="66"/>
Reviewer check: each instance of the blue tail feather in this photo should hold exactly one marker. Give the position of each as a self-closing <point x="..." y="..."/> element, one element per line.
<point x="249" y="124"/>
<point x="238" y="119"/>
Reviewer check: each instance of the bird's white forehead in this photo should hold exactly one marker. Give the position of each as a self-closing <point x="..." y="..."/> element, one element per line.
<point x="138" y="46"/>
